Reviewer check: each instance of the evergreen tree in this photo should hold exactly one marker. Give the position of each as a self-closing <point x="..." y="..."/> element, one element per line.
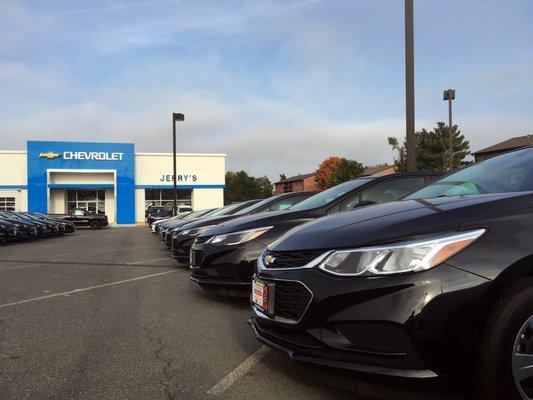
<point x="431" y="149"/>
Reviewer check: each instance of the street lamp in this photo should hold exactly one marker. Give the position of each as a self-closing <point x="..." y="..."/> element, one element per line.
<point x="175" y="117"/>
<point x="449" y="95"/>
<point x="410" y="86"/>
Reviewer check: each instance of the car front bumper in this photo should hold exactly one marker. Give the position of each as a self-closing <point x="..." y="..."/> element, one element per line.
<point x="225" y="267"/>
<point x="420" y="325"/>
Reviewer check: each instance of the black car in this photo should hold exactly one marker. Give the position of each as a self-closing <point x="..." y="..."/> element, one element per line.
<point x="229" y="209"/>
<point x="155" y="213"/>
<point x="8" y="230"/>
<point x="68" y="226"/>
<point x="168" y="225"/>
<point x="56" y="228"/>
<point x="439" y="284"/>
<point x="23" y="229"/>
<point x="81" y="217"/>
<point x="26" y="230"/>
<point x="223" y="258"/>
<point x="184" y="236"/>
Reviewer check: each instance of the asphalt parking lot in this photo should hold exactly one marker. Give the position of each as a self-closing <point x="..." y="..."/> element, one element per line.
<point x="107" y="315"/>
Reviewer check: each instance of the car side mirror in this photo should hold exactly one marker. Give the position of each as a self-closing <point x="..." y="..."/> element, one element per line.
<point x="364" y="203"/>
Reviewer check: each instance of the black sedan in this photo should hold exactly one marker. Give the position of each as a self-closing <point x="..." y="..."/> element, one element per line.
<point x="183" y="237"/>
<point x="230" y="209"/>
<point x="223" y="257"/>
<point x="439" y="284"/>
<point x="8" y="230"/>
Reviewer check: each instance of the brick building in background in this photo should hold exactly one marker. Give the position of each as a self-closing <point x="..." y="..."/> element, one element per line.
<point x="297" y="183"/>
<point x="306" y="182"/>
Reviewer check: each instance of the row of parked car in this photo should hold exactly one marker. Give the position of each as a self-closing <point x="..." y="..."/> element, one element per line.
<point x="410" y="275"/>
<point x="23" y="226"/>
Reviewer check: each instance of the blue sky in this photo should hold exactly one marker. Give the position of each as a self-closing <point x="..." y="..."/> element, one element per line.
<point x="277" y="85"/>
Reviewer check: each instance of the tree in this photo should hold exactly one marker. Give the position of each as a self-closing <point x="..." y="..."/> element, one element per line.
<point x="334" y="170"/>
<point x="431" y="149"/>
<point x="240" y="187"/>
<point x="346" y="171"/>
<point x="324" y="171"/>
<point x="282" y="177"/>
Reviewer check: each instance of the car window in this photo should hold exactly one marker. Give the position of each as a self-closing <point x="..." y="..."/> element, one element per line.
<point x="386" y="192"/>
<point x="284" y="204"/>
<point x="510" y="172"/>
<point x="79" y="213"/>
<point x="330" y="195"/>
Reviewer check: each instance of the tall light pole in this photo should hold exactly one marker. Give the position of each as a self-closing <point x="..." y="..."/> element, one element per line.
<point x="449" y="95"/>
<point x="410" y="86"/>
<point x="175" y="117"/>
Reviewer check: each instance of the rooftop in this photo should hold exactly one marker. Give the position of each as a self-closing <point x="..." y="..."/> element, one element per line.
<point x="509" y="144"/>
<point x="295" y="178"/>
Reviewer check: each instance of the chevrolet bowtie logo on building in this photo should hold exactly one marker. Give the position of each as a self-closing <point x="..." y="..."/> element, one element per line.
<point x="50" y="155"/>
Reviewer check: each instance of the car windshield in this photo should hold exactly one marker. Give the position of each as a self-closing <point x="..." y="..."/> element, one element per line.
<point x="223" y="210"/>
<point x="157" y="209"/>
<point x="257" y="206"/>
<point x="511" y="172"/>
<point x="329" y="195"/>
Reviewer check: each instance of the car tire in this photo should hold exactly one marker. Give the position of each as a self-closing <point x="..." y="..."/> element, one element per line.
<point x="95" y="225"/>
<point x="501" y="339"/>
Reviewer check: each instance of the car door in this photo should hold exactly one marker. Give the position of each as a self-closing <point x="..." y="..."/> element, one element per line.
<point x="79" y="217"/>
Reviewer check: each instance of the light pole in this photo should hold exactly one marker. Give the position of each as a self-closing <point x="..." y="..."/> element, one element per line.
<point x="410" y="86"/>
<point x="175" y="117"/>
<point x="449" y="95"/>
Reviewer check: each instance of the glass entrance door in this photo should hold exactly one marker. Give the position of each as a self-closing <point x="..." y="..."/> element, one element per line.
<point x="91" y="200"/>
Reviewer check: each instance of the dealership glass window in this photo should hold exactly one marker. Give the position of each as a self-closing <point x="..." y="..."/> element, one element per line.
<point x="91" y="200"/>
<point x="165" y="197"/>
<point x="7" y="204"/>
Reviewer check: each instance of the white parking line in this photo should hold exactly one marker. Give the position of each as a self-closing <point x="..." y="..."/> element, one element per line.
<point x="238" y="372"/>
<point x="153" y="259"/>
<point x="15" y="303"/>
<point x="20" y="266"/>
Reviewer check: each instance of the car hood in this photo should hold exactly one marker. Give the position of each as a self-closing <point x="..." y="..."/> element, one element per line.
<point x="208" y="221"/>
<point x="399" y="220"/>
<point x="256" y="221"/>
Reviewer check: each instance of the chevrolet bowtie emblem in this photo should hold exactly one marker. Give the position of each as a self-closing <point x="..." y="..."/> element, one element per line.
<point x="50" y="155"/>
<point x="269" y="259"/>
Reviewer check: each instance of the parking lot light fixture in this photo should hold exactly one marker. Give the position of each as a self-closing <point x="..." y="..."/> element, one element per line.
<point x="175" y="117"/>
<point x="449" y="95"/>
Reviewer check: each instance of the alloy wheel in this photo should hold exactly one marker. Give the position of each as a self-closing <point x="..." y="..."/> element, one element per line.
<point x="522" y="360"/>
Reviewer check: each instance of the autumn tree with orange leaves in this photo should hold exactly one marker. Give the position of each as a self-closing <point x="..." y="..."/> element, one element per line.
<point x="335" y="170"/>
<point x="324" y="172"/>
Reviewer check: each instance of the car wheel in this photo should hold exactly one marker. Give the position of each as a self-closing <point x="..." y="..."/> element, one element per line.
<point x="95" y="225"/>
<point x="505" y="370"/>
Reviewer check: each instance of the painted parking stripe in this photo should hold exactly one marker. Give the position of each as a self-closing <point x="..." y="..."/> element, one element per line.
<point x="15" y="303"/>
<point x="145" y="261"/>
<point x="20" y="266"/>
<point x="238" y="372"/>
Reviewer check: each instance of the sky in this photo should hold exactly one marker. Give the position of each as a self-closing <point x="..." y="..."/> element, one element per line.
<point x="276" y="85"/>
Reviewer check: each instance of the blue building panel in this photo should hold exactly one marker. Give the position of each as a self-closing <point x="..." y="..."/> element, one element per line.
<point x="50" y="155"/>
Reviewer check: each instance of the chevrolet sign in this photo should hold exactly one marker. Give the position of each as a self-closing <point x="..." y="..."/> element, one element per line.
<point x="83" y="155"/>
<point x="92" y="155"/>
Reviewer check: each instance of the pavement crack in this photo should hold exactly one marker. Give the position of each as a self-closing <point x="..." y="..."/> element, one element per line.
<point x="166" y="361"/>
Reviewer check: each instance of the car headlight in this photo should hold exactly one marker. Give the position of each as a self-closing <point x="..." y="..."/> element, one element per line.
<point x="233" y="238"/>
<point x="195" y="231"/>
<point x="412" y="256"/>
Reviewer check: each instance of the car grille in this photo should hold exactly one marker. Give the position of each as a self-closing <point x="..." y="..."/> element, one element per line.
<point x="202" y="239"/>
<point x="291" y="300"/>
<point x="290" y="259"/>
<point x="197" y="258"/>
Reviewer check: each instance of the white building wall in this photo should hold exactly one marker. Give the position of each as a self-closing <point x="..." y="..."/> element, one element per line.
<point x="207" y="198"/>
<point x="58" y="201"/>
<point x="14" y="177"/>
<point x="110" y="205"/>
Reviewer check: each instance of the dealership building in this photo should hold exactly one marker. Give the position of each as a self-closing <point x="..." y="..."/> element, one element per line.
<point x="111" y="178"/>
